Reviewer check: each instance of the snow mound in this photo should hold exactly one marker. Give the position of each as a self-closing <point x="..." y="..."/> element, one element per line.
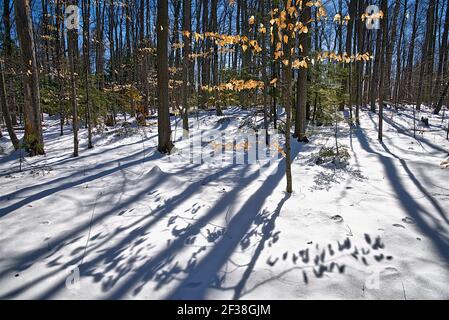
<point x="156" y="173"/>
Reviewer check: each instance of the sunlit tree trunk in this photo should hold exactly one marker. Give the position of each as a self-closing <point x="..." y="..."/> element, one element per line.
<point x="287" y="94"/>
<point x="72" y="45"/>
<point x="301" y="102"/>
<point x="186" y="36"/>
<point x="33" y="128"/>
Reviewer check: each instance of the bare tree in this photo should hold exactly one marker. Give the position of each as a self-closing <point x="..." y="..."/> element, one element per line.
<point x="5" y="110"/>
<point x="287" y="95"/>
<point x="72" y="48"/>
<point x="186" y="28"/>
<point x="301" y="102"/>
<point x="164" y="129"/>
<point x="86" y="55"/>
<point x="33" y="139"/>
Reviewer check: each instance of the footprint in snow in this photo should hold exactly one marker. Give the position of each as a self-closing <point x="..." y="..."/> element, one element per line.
<point x="408" y="220"/>
<point x="337" y="218"/>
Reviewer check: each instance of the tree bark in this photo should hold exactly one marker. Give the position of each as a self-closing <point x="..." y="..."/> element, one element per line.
<point x="443" y="59"/>
<point x="33" y="128"/>
<point x="397" y="87"/>
<point x="186" y="28"/>
<point x="374" y="86"/>
<point x="301" y="101"/>
<point x="391" y="43"/>
<point x="442" y="96"/>
<point x="8" y="52"/>
<point x="86" y="54"/>
<point x="411" y="51"/>
<point x="164" y="129"/>
<point x="99" y="48"/>
<point x="5" y="110"/>
<point x="288" y="99"/>
<point x="72" y="41"/>
<point x="425" y="53"/>
<point x="214" y="28"/>
<point x="205" y="67"/>
<point x="384" y="8"/>
<point x="264" y="71"/>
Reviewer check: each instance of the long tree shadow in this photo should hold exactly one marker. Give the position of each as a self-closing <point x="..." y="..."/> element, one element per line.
<point x="413" y="208"/>
<point x="153" y="264"/>
<point x="12" y="156"/>
<point x="111" y="255"/>
<point x="196" y="284"/>
<point x="267" y="233"/>
<point x="421" y="188"/>
<point x="29" y="258"/>
<point x="60" y="187"/>
<point x="58" y="161"/>
<point x="402" y="130"/>
<point x="147" y="271"/>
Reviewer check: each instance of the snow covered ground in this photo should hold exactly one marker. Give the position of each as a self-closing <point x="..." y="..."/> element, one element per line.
<point x="121" y="221"/>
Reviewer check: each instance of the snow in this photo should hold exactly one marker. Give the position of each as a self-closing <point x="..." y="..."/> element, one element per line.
<point x="122" y="221"/>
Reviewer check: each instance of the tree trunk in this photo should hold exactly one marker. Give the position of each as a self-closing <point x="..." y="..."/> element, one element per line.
<point x="86" y="54"/>
<point x="174" y="59"/>
<point x="349" y="36"/>
<point x="390" y="48"/>
<point x="264" y="71"/>
<point x="443" y="59"/>
<point x="112" y="55"/>
<point x="237" y="29"/>
<point x="214" y="28"/>
<point x="72" y="40"/>
<point x="59" y="51"/>
<point x="288" y="99"/>
<point x="186" y="28"/>
<point x="301" y="101"/>
<point x="33" y="128"/>
<point x="205" y="67"/>
<point x="442" y="96"/>
<point x="99" y="48"/>
<point x="7" y="45"/>
<point x="5" y="110"/>
<point x="164" y="129"/>
<point x="397" y="87"/>
<point x="375" y="72"/>
<point x="384" y="8"/>
<point x="360" y="41"/>
<point x="425" y="58"/>
<point x="244" y="28"/>
<point x="411" y="51"/>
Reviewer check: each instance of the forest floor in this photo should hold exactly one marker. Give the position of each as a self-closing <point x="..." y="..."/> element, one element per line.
<point x="122" y="221"/>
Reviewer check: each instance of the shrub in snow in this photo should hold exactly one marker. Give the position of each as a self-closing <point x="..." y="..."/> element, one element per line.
<point x="338" y="156"/>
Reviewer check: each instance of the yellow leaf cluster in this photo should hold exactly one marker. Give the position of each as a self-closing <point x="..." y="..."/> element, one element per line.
<point x="299" y="64"/>
<point x="345" y="58"/>
<point x="235" y="85"/>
